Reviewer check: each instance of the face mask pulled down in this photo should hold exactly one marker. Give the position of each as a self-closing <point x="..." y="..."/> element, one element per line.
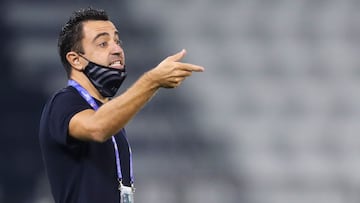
<point x="106" y="80"/>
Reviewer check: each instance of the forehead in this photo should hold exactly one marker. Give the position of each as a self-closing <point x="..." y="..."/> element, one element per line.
<point x="92" y="28"/>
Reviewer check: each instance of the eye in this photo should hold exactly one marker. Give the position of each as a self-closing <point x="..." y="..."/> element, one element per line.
<point x="118" y="42"/>
<point x="103" y="44"/>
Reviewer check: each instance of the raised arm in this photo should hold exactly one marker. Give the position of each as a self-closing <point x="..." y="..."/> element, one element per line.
<point x="112" y="116"/>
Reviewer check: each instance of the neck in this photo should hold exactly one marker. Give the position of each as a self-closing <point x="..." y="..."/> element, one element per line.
<point x="85" y="83"/>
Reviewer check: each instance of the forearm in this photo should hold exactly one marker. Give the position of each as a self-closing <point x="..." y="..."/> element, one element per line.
<point x="115" y="114"/>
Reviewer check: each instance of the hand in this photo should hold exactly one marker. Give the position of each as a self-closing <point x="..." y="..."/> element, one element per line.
<point x="170" y="72"/>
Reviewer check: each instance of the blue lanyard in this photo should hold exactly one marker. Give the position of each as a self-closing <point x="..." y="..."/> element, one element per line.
<point x="85" y="94"/>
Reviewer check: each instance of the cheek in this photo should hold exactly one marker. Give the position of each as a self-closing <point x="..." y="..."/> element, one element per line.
<point x="123" y="53"/>
<point x="100" y="58"/>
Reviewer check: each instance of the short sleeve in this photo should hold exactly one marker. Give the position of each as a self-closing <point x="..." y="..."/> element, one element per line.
<point x="64" y="106"/>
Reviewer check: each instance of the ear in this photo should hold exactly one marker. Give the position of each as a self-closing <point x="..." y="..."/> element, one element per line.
<point x="74" y="59"/>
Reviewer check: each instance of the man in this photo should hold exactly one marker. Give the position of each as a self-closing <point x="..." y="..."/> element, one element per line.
<point x="82" y="137"/>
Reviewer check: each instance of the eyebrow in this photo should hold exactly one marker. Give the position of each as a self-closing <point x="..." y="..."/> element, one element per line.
<point x="104" y="34"/>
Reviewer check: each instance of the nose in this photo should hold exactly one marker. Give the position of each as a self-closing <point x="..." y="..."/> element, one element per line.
<point x="117" y="49"/>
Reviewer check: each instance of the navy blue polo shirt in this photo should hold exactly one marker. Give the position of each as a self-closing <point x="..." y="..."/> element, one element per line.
<point x="79" y="171"/>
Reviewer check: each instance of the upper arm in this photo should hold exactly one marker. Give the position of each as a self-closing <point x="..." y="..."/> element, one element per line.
<point x="64" y="108"/>
<point x="80" y="126"/>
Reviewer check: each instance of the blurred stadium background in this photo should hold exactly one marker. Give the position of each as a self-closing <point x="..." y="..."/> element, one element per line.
<point x="273" y="119"/>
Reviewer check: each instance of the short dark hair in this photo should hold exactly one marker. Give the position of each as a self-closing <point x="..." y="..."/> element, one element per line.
<point x="71" y="33"/>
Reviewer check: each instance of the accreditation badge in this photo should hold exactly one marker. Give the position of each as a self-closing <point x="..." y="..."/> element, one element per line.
<point x="126" y="194"/>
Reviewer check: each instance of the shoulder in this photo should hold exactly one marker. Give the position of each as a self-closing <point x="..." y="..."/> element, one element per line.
<point x="66" y="98"/>
<point x="58" y="111"/>
<point x="66" y="92"/>
<point x="66" y="95"/>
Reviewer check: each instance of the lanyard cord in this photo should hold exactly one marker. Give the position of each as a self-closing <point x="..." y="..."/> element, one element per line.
<point x="85" y="94"/>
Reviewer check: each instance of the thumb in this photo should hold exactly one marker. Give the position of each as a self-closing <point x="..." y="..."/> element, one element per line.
<point x="178" y="56"/>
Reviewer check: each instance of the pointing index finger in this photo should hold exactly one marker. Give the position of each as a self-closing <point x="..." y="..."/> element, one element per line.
<point x="191" y="67"/>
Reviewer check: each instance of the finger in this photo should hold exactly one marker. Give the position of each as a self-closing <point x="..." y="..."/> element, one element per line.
<point x="185" y="74"/>
<point x="177" y="81"/>
<point x="178" y="56"/>
<point x="190" y="67"/>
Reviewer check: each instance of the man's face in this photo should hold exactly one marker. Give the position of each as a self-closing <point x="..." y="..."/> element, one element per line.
<point x="101" y="44"/>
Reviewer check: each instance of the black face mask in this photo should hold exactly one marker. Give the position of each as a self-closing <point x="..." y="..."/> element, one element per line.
<point x="106" y="80"/>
